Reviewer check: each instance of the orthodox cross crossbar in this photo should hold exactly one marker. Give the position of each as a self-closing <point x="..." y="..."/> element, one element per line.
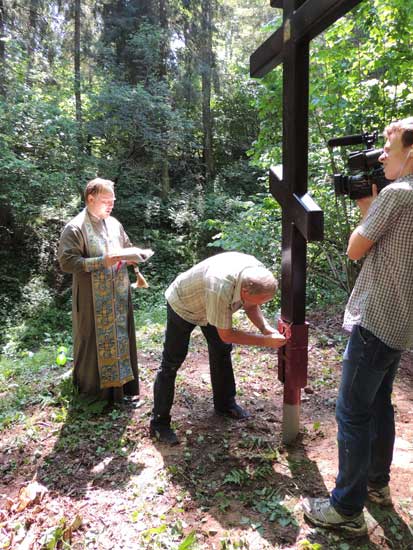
<point x="302" y="219"/>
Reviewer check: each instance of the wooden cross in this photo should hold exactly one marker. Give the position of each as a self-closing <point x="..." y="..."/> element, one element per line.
<point x="302" y="219"/>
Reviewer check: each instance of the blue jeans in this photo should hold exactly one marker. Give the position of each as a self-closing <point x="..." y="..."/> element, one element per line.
<point x="365" y="419"/>
<point x="175" y="349"/>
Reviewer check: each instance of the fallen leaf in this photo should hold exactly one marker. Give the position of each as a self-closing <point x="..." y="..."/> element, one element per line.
<point x="33" y="492"/>
<point x="72" y="527"/>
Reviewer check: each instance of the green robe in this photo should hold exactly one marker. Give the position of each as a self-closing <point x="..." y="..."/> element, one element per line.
<point x="104" y="340"/>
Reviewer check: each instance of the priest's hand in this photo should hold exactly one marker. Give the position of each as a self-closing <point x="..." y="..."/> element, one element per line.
<point x="109" y="260"/>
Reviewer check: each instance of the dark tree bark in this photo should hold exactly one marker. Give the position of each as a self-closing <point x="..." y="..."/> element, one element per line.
<point x="163" y="22"/>
<point x="32" y="35"/>
<point x="206" y="73"/>
<point x="33" y="19"/>
<point x="78" y="96"/>
<point x="2" y="52"/>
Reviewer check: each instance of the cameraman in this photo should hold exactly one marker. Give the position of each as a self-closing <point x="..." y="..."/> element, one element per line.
<point x="379" y="315"/>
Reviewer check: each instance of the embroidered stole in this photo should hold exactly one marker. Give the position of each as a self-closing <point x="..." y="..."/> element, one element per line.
<point x="110" y="290"/>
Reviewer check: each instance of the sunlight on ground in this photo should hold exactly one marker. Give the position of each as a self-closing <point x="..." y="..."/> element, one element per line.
<point x="403" y="457"/>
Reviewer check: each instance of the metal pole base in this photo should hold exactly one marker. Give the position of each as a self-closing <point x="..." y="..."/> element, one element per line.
<point x="291" y="423"/>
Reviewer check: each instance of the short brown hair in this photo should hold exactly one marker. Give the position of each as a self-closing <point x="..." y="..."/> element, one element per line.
<point x="258" y="280"/>
<point x="98" y="185"/>
<point x="403" y="126"/>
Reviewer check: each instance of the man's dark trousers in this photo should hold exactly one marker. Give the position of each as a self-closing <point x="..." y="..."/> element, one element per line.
<point x="177" y="334"/>
<point x="365" y="418"/>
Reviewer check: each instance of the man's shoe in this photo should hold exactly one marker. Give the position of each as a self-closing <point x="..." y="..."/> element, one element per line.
<point x="163" y="434"/>
<point x="319" y="511"/>
<point x="380" y="496"/>
<point x="235" y="412"/>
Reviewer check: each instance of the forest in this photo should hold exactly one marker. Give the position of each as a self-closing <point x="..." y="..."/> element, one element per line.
<point x="156" y="96"/>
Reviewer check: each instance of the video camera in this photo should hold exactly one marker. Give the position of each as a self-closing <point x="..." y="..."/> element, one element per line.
<point x="365" y="162"/>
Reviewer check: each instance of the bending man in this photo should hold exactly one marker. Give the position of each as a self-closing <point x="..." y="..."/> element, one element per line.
<point x="207" y="295"/>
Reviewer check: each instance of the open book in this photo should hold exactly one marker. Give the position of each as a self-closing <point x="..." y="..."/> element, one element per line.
<point x="133" y="254"/>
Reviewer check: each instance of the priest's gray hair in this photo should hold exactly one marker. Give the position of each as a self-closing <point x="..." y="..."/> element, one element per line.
<point x="258" y="280"/>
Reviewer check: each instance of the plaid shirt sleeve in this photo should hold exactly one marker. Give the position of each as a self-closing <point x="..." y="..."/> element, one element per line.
<point x="382" y="215"/>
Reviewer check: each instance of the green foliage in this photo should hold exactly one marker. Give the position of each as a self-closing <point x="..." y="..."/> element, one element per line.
<point x="256" y="230"/>
<point x="135" y="125"/>
<point x="37" y="319"/>
<point x="272" y="505"/>
<point x="141" y="126"/>
<point x="360" y="68"/>
<point x="237" y="477"/>
<point x="166" y="534"/>
<point x="307" y="545"/>
<point x="23" y="382"/>
<point x="229" y="544"/>
<point x="237" y="124"/>
<point x="189" y="542"/>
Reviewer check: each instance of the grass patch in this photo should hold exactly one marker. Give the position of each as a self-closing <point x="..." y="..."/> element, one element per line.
<point x="29" y="378"/>
<point x="26" y="380"/>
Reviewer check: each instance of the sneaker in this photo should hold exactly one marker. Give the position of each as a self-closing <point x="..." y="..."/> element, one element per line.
<point x="380" y="496"/>
<point x="319" y="511"/>
<point x="163" y="434"/>
<point x="235" y="412"/>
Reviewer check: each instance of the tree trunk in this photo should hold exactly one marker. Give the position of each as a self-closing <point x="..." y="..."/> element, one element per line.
<point x="163" y="21"/>
<point x="31" y="36"/>
<point x="78" y="96"/>
<point x="2" y="52"/>
<point x="188" y="64"/>
<point x="206" y="72"/>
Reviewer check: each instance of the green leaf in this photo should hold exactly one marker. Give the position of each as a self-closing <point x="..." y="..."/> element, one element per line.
<point x="189" y="542"/>
<point x="155" y="530"/>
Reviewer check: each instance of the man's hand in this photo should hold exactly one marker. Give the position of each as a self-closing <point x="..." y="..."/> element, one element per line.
<point x="365" y="202"/>
<point x="256" y="317"/>
<point x="276" y="340"/>
<point x="268" y="329"/>
<point x="358" y="246"/>
<point x="110" y="259"/>
<point x="232" y="336"/>
<point x="145" y="253"/>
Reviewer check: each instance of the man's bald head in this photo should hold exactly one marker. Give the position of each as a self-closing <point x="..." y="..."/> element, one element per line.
<point x="258" y="281"/>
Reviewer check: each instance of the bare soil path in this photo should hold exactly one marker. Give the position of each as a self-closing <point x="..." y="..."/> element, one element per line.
<point x="73" y="479"/>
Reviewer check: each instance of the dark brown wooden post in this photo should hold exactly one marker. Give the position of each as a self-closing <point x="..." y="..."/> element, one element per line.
<point x="302" y="219"/>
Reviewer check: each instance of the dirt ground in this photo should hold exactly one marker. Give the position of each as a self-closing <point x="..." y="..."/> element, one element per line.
<point x="73" y="480"/>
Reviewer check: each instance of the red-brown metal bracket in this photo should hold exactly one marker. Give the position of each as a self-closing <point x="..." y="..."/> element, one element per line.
<point x="293" y="360"/>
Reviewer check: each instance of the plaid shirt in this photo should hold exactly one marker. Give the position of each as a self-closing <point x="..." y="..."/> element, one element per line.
<point x="382" y="298"/>
<point x="210" y="292"/>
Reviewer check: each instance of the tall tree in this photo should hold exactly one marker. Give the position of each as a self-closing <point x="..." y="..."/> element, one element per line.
<point x="163" y="22"/>
<point x="206" y="76"/>
<point x="2" y="52"/>
<point x="77" y="76"/>
<point x="32" y="34"/>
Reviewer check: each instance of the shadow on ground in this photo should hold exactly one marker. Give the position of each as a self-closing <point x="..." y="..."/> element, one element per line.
<point x="91" y="450"/>
<point x="242" y="477"/>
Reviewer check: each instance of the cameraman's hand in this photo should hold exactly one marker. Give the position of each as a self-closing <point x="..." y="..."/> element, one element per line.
<point x="365" y="202"/>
